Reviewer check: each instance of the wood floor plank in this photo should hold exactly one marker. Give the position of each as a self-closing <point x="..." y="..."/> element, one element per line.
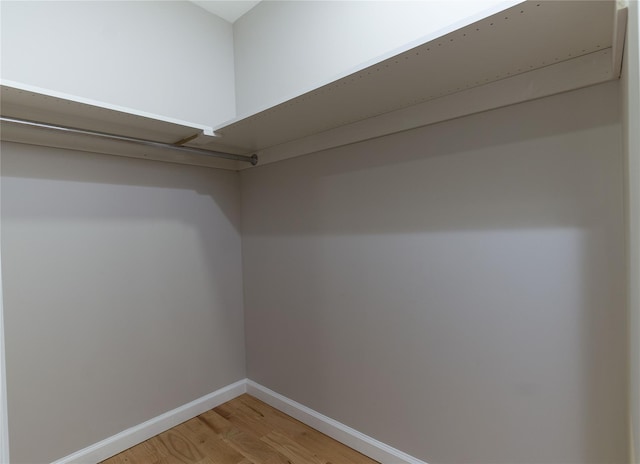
<point x="244" y="430"/>
<point x="254" y="449"/>
<point x="318" y="443"/>
<point x="212" y="445"/>
<point x="218" y="424"/>
<point x="179" y="446"/>
<point x="297" y="453"/>
<point x="144" y="453"/>
<point x="242" y="435"/>
<point x="243" y="418"/>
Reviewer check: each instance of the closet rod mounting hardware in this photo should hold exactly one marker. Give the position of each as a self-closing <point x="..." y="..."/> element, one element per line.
<point x="253" y="159"/>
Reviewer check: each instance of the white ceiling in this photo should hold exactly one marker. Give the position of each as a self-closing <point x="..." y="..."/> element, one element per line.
<point x="229" y="10"/>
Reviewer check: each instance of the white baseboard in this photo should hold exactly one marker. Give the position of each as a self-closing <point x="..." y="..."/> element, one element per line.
<point x="139" y="433"/>
<point x="340" y="432"/>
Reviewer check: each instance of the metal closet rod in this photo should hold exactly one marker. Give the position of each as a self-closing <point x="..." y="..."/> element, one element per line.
<point x="253" y="159"/>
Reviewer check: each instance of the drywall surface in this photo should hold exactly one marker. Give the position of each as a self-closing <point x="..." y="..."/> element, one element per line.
<point x="123" y="293"/>
<point x="456" y="291"/>
<point x="631" y="122"/>
<point x="285" y="48"/>
<point x="164" y="57"/>
<point x="4" y="426"/>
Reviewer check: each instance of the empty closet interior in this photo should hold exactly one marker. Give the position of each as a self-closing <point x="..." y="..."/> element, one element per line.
<point x="418" y="219"/>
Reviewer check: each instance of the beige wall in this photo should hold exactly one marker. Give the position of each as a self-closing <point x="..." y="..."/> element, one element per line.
<point x="455" y="291"/>
<point x="631" y="118"/>
<point x="122" y="293"/>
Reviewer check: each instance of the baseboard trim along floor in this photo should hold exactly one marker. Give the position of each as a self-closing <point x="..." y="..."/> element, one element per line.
<point x="359" y="441"/>
<point x="137" y="434"/>
<point x="340" y="432"/>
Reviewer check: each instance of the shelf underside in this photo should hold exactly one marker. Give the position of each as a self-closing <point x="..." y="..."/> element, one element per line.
<point x="529" y="39"/>
<point x="529" y="36"/>
<point x="26" y="103"/>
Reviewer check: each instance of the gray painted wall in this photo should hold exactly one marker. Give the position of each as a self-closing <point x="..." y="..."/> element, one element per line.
<point x="123" y="293"/>
<point x="630" y="84"/>
<point x="456" y="291"/>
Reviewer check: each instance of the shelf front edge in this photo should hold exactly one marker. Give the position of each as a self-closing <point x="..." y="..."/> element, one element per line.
<point x="565" y="76"/>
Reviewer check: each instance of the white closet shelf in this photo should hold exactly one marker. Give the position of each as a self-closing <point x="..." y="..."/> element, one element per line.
<point x="528" y="36"/>
<point x="533" y="49"/>
<point x="30" y="103"/>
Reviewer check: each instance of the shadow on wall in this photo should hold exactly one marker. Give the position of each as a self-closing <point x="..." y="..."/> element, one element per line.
<point x="455" y="291"/>
<point x="461" y="174"/>
<point x="53" y="164"/>
<point x="123" y="293"/>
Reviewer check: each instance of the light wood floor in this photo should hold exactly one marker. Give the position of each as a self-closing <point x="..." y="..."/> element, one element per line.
<point x="242" y="431"/>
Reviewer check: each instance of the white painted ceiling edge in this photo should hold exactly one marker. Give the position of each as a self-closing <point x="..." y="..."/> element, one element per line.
<point x="229" y="10"/>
